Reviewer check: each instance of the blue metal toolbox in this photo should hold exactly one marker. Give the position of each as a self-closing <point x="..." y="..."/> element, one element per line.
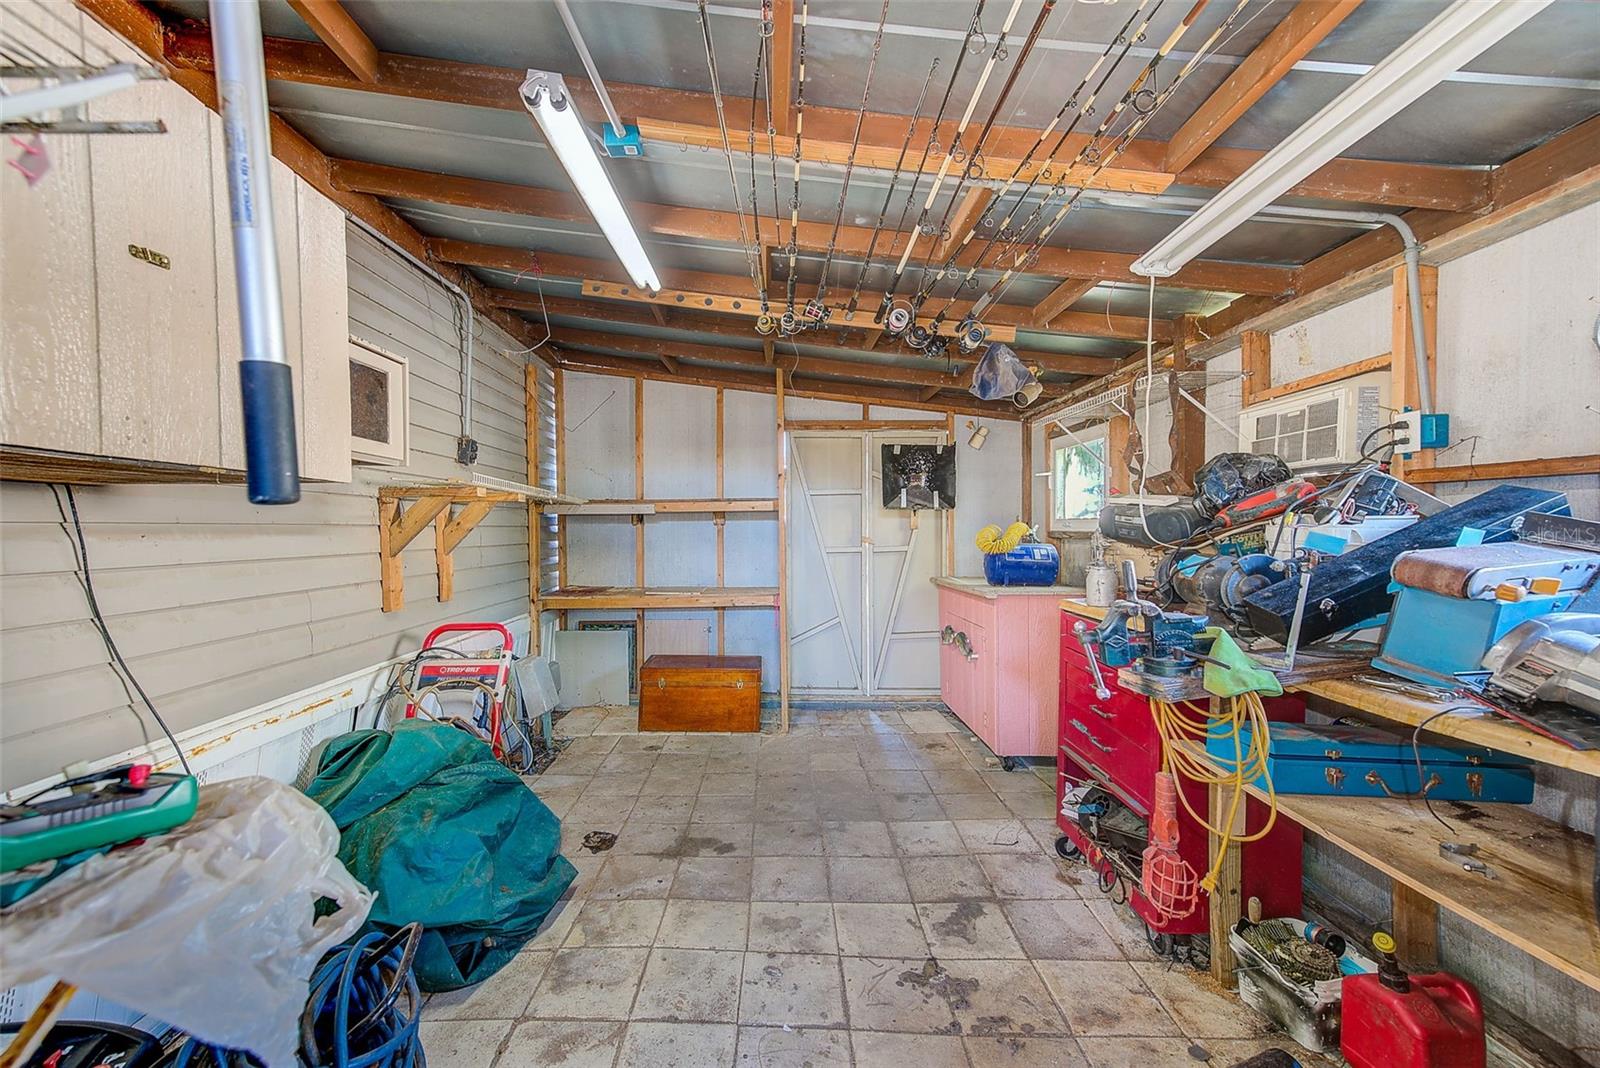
<point x="1356" y="761"/>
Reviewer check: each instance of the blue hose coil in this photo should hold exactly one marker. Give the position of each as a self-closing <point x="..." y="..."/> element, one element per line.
<point x="365" y="1006"/>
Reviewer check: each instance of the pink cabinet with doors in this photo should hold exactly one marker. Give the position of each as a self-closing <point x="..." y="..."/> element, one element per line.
<point x="999" y="662"/>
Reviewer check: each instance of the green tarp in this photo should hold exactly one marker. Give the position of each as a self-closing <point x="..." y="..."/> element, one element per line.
<point x="447" y="837"/>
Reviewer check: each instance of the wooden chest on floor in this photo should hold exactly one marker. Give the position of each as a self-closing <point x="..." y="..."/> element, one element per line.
<point x="700" y="693"/>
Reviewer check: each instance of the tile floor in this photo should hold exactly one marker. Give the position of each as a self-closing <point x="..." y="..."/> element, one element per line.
<point x="869" y="889"/>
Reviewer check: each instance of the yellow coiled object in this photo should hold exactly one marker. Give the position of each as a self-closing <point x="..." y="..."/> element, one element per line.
<point x="992" y="542"/>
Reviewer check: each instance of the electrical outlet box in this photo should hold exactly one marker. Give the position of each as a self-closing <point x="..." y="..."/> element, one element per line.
<point x="1421" y="430"/>
<point x="628" y="144"/>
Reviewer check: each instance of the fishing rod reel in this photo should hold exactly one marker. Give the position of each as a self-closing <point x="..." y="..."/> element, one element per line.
<point x="970" y="335"/>
<point x="815" y="313"/>
<point x="938" y="344"/>
<point x="766" y="324"/>
<point x="919" y="336"/>
<point x="789" y="324"/>
<point x="899" y="318"/>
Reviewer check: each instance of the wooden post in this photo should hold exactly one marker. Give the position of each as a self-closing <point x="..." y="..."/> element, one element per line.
<point x="1188" y="434"/>
<point x="1027" y="472"/>
<point x="1116" y="448"/>
<point x="443" y="557"/>
<point x="949" y="513"/>
<point x="1255" y="360"/>
<point x="391" y="568"/>
<point x="530" y="400"/>
<point x="783" y="561"/>
<point x="1416" y="926"/>
<point x="561" y="481"/>
<point x="721" y="521"/>
<point x="1403" y="392"/>
<point x="1226" y="900"/>
<point x="638" y="520"/>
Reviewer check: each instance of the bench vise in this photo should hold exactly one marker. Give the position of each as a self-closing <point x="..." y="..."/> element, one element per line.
<point x="1162" y="647"/>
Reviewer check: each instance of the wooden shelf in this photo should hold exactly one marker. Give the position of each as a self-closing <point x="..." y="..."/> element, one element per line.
<point x="400" y="523"/>
<point x="665" y="507"/>
<point x="1474" y="726"/>
<point x="661" y="597"/>
<point x="1539" y="899"/>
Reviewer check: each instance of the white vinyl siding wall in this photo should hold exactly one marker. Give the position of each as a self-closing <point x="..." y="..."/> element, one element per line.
<point x="220" y="605"/>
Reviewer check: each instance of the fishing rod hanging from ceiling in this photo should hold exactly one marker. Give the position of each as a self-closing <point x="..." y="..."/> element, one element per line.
<point x="751" y="253"/>
<point x="888" y="196"/>
<point x="898" y="317"/>
<point x="1152" y="102"/>
<point x="970" y="334"/>
<point x="789" y="322"/>
<point x="816" y="310"/>
<point x="972" y="171"/>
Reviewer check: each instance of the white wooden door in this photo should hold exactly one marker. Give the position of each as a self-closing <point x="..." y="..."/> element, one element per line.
<point x="862" y="611"/>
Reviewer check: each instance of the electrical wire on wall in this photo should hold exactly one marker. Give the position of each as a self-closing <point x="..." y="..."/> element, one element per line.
<point x="72" y="524"/>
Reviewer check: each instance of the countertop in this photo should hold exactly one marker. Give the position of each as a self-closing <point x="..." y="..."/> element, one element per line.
<point x="979" y="587"/>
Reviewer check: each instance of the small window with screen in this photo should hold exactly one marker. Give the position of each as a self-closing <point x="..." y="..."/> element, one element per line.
<point x="379" y="406"/>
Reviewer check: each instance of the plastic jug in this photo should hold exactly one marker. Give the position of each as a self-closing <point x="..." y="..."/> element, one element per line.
<point x="1395" y="1020"/>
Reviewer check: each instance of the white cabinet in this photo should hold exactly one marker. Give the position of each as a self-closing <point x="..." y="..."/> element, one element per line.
<point x="120" y="325"/>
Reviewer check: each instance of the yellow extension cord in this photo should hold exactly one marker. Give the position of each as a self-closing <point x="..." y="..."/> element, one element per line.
<point x="1182" y="735"/>
<point x="992" y="542"/>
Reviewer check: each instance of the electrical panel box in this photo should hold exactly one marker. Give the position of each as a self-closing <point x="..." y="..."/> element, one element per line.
<point x="1319" y="426"/>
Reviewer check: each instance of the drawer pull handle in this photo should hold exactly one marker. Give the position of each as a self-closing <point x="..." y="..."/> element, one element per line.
<point x="1097" y="743"/>
<point x="1102" y="713"/>
<point x="948" y="635"/>
<point x="959" y="639"/>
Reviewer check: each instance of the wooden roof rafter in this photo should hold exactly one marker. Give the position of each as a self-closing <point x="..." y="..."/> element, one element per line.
<point x="689" y="118"/>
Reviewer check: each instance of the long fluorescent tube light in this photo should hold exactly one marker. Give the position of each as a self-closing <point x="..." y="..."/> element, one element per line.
<point x="544" y="93"/>
<point x="1457" y="36"/>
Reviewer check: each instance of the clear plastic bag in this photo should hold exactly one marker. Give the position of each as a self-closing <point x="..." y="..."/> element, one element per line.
<point x="999" y="375"/>
<point x="211" y="928"/>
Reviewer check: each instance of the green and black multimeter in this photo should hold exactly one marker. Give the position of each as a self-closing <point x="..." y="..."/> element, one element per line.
<point x="125" y="803"/>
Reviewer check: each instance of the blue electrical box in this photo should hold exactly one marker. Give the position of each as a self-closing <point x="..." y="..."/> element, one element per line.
<point x="628" y="144"/>
<point x="1032" y="563"/>
<point x="1355" y="761"/>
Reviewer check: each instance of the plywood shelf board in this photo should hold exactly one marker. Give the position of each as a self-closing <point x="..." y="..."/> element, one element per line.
<point x="666" y="507"/>
<point x="638" y="597"/>
<point x="1539" y="899"/>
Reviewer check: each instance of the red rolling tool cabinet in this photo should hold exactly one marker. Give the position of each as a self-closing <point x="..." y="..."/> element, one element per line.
<point x="1113" y="743"/>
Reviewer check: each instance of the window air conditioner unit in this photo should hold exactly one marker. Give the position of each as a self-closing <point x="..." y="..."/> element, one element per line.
<point x="1319" y="426"/>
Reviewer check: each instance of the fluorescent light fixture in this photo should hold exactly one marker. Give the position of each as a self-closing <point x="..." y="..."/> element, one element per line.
<point x="545" y="94"/>
<point x="1456" y="37"/>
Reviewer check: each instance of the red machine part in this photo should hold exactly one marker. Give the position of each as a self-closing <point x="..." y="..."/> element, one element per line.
<point x="1267" y="503"/>
<point x="1114" y="742"/>
<point x="490" y="670"/>
<point x="1395" y="1020"/>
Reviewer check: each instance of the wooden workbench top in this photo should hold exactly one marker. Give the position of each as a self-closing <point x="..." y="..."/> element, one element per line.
<point x="979" y="586"/>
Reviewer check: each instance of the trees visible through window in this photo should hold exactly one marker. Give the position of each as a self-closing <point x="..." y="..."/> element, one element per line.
<point x="1078" y="482"/>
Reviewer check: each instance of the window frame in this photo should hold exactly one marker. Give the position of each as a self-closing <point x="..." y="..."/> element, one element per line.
<point x="397" y="451"/>
<point x="1063" y="442"/>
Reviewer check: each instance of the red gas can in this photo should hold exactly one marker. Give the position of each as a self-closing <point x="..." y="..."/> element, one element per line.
<point x="1395" y="1020"/>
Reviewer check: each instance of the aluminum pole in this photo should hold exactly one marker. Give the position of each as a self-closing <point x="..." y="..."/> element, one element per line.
<point x="266" y="381"/>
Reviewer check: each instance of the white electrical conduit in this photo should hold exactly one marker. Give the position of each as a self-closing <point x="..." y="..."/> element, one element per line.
<point x="1332" y="217"/>
<point x="588" y="65"/>
<point x="966" y="117"/>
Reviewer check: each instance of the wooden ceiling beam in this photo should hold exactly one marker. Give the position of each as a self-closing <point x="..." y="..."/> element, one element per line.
<point x="602" y="315"/>
<point x="782" y="74"/>
<point x="764" y="382"/>
<point x="689" y="118"/>
<point x="1061" y="298"/>
<point x="871" y="372"/>
<point x="1301" y="30"/>
<point x="723" y="227"/>
<point x="333" y="25"/>
<point x="973" y="204"/>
